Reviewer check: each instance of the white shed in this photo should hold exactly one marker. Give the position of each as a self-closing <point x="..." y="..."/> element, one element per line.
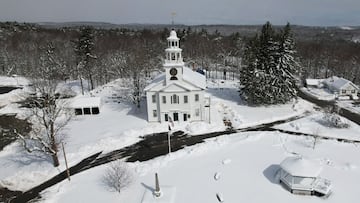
<point x="301" y="176"/>
<point x="86" y="105"/>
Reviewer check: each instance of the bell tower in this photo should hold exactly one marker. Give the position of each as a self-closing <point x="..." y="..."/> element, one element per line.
<point x="173" y="60"/>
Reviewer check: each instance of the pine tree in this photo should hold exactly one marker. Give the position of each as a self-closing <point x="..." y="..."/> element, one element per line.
<point x="84" y="50"/>
<point x="287" y="65"/>
<point x="269" y="75"/>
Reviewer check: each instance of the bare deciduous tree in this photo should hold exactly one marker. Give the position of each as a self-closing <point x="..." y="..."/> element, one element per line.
<point x="49" y="114"/>
<point x="117" y="176"/>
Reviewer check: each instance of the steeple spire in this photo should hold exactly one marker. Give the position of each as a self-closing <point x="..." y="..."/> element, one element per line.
<point x="173" y="62"/>
<point x="173" y="52"/>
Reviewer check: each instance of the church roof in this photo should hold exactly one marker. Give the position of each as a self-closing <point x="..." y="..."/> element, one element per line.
<point x="194" y="78"/>
<point x="158" y="79"/>
<point x="191" y="81"/>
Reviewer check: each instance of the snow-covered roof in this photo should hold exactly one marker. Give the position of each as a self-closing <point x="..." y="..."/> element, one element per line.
<point x="194" y="78"/>
<point x="155" y="81"/>
<point x="300" y="166"/>
<point x="173" y="35"/>
<point x="314" y="82"/>
<point x="84" y="101"/>
<point x="338" y="82"/>
<point x="191" y="80"/>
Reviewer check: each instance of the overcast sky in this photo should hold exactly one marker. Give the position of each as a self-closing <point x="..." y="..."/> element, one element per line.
<point x="304" y="12"/>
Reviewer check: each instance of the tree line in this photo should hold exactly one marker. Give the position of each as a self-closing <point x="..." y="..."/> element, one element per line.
<point x="116" y="52"/>
<point x="272" y="62"/>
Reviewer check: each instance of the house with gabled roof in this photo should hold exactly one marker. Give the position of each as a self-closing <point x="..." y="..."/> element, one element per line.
<point x="178" y="93"/>
<point x="341" y="87"/>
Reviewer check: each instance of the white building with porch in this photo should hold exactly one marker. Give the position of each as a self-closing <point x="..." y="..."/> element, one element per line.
<point x="178" y="93"/>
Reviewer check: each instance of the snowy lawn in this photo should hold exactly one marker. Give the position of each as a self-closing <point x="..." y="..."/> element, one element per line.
<point x="315" y="124"/>
<point x="225" y="99"/>
<point x="239" y="168"/>
<point x="121" y="124"/>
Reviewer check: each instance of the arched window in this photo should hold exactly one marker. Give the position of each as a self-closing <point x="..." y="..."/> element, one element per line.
<point x="174" y="99"/>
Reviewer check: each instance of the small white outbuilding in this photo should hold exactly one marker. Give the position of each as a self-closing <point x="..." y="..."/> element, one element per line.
<point x="86" y="105"/>
<point x="302" y="176"/>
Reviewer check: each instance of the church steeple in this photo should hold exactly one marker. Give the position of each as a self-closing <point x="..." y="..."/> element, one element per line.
<point x="173" y="62"/>
<point x="173" y="51"/>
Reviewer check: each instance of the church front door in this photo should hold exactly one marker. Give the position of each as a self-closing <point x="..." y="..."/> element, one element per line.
<point x="185" y="117"/>
<point x="176" y="116"/>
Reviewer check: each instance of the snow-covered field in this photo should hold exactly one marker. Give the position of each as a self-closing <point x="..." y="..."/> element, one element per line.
<point x="315" y="124"/>
<point x="244" y="163"/>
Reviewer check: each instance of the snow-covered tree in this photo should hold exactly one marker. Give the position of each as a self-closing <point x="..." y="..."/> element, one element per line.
<point x="84" y="50"/>
<point x="49" y="114"/>
<point x="333" y="120"/>
<point x="288" y="65"/>
<point x="117" y="176"/>
<point x="137" y="60"/>
<point x="269" y="75"/>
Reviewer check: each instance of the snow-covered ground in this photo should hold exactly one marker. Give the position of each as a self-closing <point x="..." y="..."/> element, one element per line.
<point x="239" y="167"/>
<point x="350" y="105"/>
<point x="15" y="95"/>
<point x="316" y="124"/>
<point x="225" y="98"/>
<point x="240" y="161"/>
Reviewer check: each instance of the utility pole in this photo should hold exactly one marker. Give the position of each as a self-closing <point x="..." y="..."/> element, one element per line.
<point x="67" y="168"/>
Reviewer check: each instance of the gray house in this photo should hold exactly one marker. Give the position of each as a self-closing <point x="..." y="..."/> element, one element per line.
<point x="341" y="87"/>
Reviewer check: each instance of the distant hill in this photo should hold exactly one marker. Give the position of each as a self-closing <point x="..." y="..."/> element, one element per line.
<point x="304" y="32"/>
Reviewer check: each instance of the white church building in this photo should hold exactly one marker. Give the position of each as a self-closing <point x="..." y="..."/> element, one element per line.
<point x="178" y="93"/>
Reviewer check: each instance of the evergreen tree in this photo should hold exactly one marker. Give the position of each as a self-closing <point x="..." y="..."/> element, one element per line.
<point x="84" y="50"/>
<point x="269" y="75"/>
<point x="287" y="64"/>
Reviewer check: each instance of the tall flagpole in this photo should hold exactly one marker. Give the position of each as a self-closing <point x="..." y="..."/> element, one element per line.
<point x="169" y="133"/>
<point x="170" y="124"/>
